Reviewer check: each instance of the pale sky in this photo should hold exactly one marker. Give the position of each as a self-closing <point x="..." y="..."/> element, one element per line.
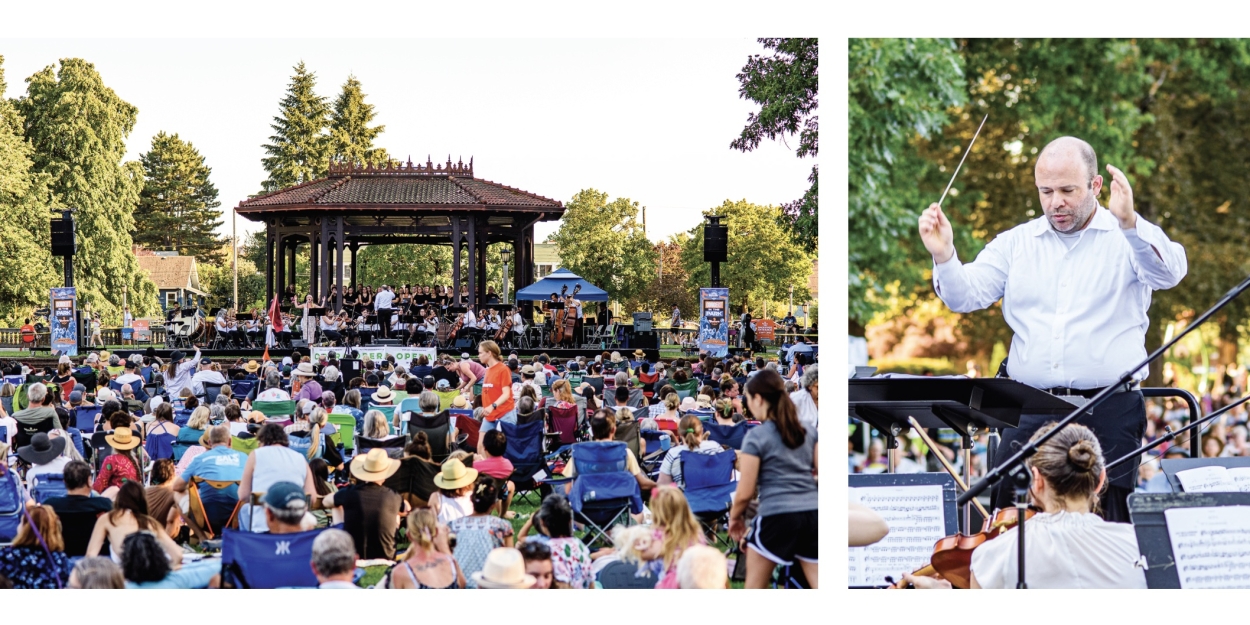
<point x="650" y="120"/>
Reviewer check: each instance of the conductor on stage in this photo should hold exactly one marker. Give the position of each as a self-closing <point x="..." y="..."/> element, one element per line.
<point x="1076" y="285"/>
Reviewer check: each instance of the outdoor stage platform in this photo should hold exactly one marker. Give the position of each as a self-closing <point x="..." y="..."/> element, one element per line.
<point x="223" y="355"/>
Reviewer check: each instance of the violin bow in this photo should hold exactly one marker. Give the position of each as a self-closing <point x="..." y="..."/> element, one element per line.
<point x="961" y="160"/>
<point x="946" y="464"/>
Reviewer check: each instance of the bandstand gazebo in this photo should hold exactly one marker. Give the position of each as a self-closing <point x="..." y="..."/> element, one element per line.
<point x="428" y="204"/>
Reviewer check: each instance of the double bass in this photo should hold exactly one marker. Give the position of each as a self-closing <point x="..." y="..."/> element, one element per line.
<point x="504" y="328"/>
<point x="570" y="318"/>
<point x="557" y="325"/>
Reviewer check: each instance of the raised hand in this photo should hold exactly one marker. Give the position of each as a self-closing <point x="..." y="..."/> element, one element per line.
<point x="1121" y="203"/>
<point x="936" y="233"/>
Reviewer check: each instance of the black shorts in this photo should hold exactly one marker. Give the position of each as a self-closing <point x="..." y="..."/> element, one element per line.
<point x="783" y="537"/>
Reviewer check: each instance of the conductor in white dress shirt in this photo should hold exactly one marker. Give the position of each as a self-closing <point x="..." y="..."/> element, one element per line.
<point x="1076" y="286"/>
<point x="382" y="306"/>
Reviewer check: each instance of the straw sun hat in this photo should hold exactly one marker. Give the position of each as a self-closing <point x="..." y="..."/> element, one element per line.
<point x="455" y="475"/>
<point x="374" y="466"/>
<point x="122" y="439"/>
<point x="504" y="568"/>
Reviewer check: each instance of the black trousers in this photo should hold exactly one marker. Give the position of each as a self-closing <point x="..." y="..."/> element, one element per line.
<point x="1119" y="423"/>
<point x="384" y="323"/>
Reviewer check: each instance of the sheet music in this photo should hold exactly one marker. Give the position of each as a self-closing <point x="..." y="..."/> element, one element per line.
<point x="1211" y="546"/>
<point x="1209" y="479"/>
<point x="914" y="514"/>
<point x="1241" y="478"/>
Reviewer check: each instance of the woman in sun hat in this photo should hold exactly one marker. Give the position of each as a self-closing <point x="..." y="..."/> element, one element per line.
<point x="309" y="388"/>
<point x="455" y="484"/>
<point x="370" y="510"/>
<point x="44" y="455"/>
<point x="122" y="465"/>
<point x="504" y="568"/>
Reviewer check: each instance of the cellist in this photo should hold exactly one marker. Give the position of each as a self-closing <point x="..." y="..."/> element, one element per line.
<point x="1067" y="545"/>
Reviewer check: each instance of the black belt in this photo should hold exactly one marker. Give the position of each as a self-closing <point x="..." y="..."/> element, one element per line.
<point x="1090" y="392"/>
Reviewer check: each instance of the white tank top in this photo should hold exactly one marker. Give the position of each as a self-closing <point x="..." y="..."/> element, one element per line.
<point x="276" y="463"/>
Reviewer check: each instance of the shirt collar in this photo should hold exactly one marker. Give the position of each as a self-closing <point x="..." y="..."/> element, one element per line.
<point x="1102" y="220"/>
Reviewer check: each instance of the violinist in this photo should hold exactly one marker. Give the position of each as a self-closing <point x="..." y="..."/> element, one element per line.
<point x="329" y="323"/>
<point x="1067" y="545"/>
<point x="253" y="328"/>
<point x="518" y="322"/>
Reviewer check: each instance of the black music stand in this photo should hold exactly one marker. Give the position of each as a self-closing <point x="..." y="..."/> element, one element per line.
<point x="967" y="405"/>
<point x="1150" y="524"/>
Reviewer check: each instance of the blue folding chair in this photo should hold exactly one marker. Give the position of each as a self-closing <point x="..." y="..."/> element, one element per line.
<point x="75" y="435"/>
<point x="146" y="374"/>
<point x="50" y="485"/>
<point x="525" y="451"/>
<point x="710" y="486"/>
<point x="730" y="436"/>
<point x="85" y="417"/>
<point x="242" y="388"/>
<point x="136" y="386"/>
<point x="250" y="560"/>
<point x="211" y="391"/>
<point x="604" y="491"/>
<point x="366" y="395"/>
<point x="182" y="416"/>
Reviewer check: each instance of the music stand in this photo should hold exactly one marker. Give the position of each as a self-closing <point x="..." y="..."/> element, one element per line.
<point x="316" y="312"/>
<point x="1146" y="510"/>
<point x="243" y="317"/>
<point x="966" y="405"/>
<point x="1172" y="466"/>
<point x="950" y="518"/>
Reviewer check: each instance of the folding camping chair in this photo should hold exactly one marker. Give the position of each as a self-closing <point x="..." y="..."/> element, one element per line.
<point x="242" y="388"/>
<point x="85" y="417"/>
<point x="467" y="429"/>
<point x="438" y="429"/>
<point x="219" y="511"/>
<point x="622" y="574"/>
<point x="275" y="408"/>
<point x="250" y="560"/>
<point x="604" y="492"/>
<point x="710" y="486"/>
<point x="730" y="436"/>
<point x="394" y="445"/>
<point x="346" y="434"/>
<point x="212" y="390"/>
<point x="563" y="421"/>
<point x="387" y="411"/>
<point x="525" y="451"/>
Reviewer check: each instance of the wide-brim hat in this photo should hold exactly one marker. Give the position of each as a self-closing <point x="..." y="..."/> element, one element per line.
<point x="123" y="439"/>
<point x="455" y="475"/>
<point x="639" y="353"/>
<point x="687" y="404"/>
<point x="504" y="568"/>
<point x="460" y="402"/>
<point x="176" y="356"/>
<point x="703" y="401"/>
<point x="374" y="466"/>
<point x="252" y="366"/>
<point x="305" y="369"/>
<point x="42" y="449"/>
<point x="383" y="393"/>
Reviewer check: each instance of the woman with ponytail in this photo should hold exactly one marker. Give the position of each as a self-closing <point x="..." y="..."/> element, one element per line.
<point x="780" y="458"/>
<point x="1068" y="544"/>
<point x="428" y="563"/>
<point x="690" y="431"/>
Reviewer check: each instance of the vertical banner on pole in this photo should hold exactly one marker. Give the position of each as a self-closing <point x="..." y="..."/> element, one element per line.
<point x="64" y="327"/>
<point x="714" y="321"/>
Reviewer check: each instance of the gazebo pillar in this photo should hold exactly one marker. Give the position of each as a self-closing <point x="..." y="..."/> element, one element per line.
<point x="281" y="266"/>
<point x="480" y="287"/>
<point x="355" y="252"/>
<point x="455" y="260"/>
<point x="323" y="256"/>
<point x="269" y="269"/>
<point x="472" y="303"/>
<point x="313" y="263"/>
<point x="338" y="261"/>
<point x="291" y="251"/>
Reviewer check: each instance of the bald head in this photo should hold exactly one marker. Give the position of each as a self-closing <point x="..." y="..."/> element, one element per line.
<point x="1068" y="149"/>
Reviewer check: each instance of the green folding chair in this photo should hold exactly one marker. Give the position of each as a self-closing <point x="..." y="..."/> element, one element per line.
<point x="346" y="434"/>
<point x="387" y="411"/>
<point x="275" y="408"/>
<point x="686" y="389"/>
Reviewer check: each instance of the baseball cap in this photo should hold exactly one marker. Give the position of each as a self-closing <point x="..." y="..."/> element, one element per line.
<point x="206" y="361"/>
<point x="442" y="384"/>
<point x="286" y="496"/>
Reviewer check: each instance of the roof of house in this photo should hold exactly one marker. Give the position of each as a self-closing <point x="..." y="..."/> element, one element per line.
<point x="172" y="272"/>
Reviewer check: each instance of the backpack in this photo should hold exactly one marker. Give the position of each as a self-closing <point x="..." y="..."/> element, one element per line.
<point x="11" y="501"/>
<point x="50" y="485"/>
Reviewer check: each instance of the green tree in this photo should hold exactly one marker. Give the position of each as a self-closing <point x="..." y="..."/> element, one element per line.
<point x="898" y="89"/>
<point x="671" y="285"/>
<point x="603" y="242"/>
<point x="785" y="85"/>
<point x="351" y="137"/>
<point x="77" y="128"/>
<point x="299" y="148"/>
<point x="403" y="264"/>
<point x="25" y="260"/>
<point x="762" y="260"/>
<point x="178" y="208"/>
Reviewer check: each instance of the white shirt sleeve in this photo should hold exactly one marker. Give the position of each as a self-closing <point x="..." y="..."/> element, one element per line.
<point x="1160" y="262"/>
<point x="977" y="285"/>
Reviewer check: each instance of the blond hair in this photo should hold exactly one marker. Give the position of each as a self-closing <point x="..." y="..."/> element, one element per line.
<point x="673" y="515"/>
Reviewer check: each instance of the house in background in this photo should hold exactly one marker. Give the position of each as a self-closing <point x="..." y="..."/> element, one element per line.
<point x="175" y="276"/>
<point x="546" y="259"/>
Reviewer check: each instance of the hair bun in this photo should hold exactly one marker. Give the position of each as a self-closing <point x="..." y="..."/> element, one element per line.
<point x="1083" y="456"/>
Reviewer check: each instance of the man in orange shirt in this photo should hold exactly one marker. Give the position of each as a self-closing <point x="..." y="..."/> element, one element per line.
<point x="496" y="389"/>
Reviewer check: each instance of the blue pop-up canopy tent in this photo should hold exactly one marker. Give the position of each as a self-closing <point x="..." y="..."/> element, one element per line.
<point x="562" y="277"/>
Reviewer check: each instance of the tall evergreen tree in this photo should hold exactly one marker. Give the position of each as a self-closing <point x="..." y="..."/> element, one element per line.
<point x="77" y="128"/>
<point x="351" y="138"/>
<point x="178" y="208"/>
<point x="299" y="148"/>
<point x="25" y="260"/>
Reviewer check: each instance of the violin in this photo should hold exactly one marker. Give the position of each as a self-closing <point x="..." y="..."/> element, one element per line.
<point x="952" y="556"/>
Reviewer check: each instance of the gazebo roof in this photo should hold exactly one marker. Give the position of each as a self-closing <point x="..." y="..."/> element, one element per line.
<point x="352" y="188"/>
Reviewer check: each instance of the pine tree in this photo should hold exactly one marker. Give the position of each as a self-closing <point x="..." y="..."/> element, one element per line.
<point x="178" y="208"/>
<point x="299" y="148"/>
<point x="25" y="260"/>
<point x="77" y="127"/>
<point x="351" y="138"/>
